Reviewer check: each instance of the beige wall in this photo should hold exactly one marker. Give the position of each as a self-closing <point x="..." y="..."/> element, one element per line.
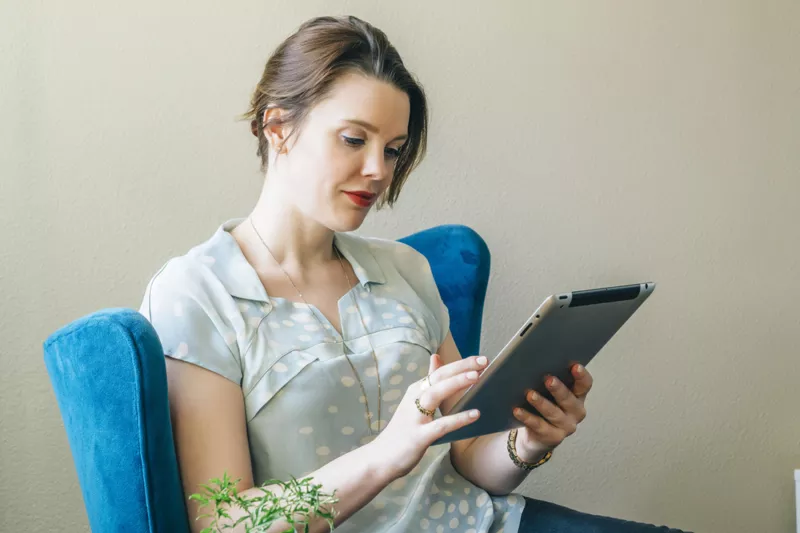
<point x="590" y="143"/>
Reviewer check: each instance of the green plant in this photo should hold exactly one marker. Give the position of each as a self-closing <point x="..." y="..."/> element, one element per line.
<point x="295" y="501"/>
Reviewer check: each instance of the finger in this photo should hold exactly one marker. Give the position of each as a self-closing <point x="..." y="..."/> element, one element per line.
<point x="432" y="397"/>
<point x="542" y="431"/>
<point x="434" y="363"/>
<point x="447" y="424"/>
<point x="549" y="411"/>
<point x="564" y="397"/>
<point x="477" y="363"/>
<point x="583" y="381"/>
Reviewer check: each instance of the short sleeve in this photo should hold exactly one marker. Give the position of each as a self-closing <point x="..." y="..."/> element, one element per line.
<point x="417" y="270"/>
<point x="188" y="323"/>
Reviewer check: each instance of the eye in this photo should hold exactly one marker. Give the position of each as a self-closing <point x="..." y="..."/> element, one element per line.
<point x="353" y="141"/>
<point x="392" y="153"/>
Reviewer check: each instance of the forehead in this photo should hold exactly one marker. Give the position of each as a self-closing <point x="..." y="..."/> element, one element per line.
<point x="358" y="97"/>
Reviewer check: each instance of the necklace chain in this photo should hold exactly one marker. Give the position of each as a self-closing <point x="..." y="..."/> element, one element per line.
<point x="322" y="325"/>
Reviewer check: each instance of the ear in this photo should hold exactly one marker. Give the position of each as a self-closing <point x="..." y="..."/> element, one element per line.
<point x="276" y="130"/>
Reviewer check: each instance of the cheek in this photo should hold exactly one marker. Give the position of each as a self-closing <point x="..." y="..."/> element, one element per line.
<point x="336" y="165"/>
<point x="320" y="171"/>
<point x="309" y="164"/>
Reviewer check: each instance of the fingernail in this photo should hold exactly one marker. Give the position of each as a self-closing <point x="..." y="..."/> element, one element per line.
<point x="482" y="360"/>
<point x="517" y="412"/>
<point x="551" y="382"/>
<point x="474" y="413"/>
<point x="472" y="375"/>
<point x="579" y="369"/>
<point x="533" y="396"/>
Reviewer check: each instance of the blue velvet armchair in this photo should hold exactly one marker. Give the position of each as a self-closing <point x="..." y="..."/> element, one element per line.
<point x="108" y="373"/>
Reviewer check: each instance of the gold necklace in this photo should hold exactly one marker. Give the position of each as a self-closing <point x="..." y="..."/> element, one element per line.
<point x="322" y="325"/>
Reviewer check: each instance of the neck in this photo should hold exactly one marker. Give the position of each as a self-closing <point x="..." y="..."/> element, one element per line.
<point x="296" y="242"/>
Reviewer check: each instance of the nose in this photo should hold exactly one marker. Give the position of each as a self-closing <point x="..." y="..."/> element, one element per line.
<point x="376" y="166"/>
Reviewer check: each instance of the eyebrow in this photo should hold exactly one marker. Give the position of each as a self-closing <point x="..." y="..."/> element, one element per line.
<point x="369" y="127"/>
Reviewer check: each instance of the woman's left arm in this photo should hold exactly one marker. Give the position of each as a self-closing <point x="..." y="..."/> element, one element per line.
<point x="485" y="460"/>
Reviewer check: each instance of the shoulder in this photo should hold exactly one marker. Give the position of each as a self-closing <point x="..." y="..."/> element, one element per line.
<point x="386" y="260"/>
<point x="405" y="272"/>
<point x="193" y="314"/>
<point x="183" y="279"/>
<point x="389" y="252"/>
<point x="188" y="290"/>
<point x="214" y="269"/>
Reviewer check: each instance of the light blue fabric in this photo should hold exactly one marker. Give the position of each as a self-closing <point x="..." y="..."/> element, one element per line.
<point x="299" y="374"/>
<point x="108" y="375"/>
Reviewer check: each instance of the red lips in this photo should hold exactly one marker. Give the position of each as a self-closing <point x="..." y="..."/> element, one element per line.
<point x="361" y="198"/>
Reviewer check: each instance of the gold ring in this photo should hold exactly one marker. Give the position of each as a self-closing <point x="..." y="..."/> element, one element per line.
<point x="426" y="412"/>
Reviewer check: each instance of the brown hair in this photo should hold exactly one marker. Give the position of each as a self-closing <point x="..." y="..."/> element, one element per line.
<point x="302" y="70"/>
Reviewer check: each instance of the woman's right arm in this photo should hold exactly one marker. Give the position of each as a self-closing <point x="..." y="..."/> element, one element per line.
<point x="211" y="438"/>
<point x="210" y="434"/>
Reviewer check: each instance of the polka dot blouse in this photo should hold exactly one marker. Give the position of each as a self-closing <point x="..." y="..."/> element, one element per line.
<point x="209" y="308"/>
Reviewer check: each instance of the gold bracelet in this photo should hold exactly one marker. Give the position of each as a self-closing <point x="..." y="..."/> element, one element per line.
<point x="512" y="452"/>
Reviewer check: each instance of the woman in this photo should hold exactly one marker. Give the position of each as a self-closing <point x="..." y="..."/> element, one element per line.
<point x="295" y="348"/>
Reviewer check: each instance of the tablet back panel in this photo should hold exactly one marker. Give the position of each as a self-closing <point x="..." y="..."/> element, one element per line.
<point x="567" y="328"/>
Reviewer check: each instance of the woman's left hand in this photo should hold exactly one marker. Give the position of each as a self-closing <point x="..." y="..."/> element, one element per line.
<point x="558" y="421"/>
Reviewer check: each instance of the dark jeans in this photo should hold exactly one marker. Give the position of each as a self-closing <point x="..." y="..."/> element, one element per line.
<point x="545" y="517"/>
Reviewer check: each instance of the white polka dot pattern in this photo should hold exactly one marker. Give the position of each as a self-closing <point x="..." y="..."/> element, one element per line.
<point x="294" y="376"/>
<point x="392" y="395"/>
<point x="230" y="338"/>
<point x="437" y="510"/>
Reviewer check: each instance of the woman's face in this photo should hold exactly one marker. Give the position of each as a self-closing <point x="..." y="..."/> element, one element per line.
<point x="344" y="155"/>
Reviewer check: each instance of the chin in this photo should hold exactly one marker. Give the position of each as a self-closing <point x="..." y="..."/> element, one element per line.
<point x="345" y="222"/>
<point x="350" y="225"/>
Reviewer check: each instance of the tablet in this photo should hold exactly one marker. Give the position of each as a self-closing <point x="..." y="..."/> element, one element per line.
<point x="567" y="328"/>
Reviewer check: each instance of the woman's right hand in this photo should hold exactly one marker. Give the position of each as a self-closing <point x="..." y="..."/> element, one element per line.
<point x="410" y="433"/>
